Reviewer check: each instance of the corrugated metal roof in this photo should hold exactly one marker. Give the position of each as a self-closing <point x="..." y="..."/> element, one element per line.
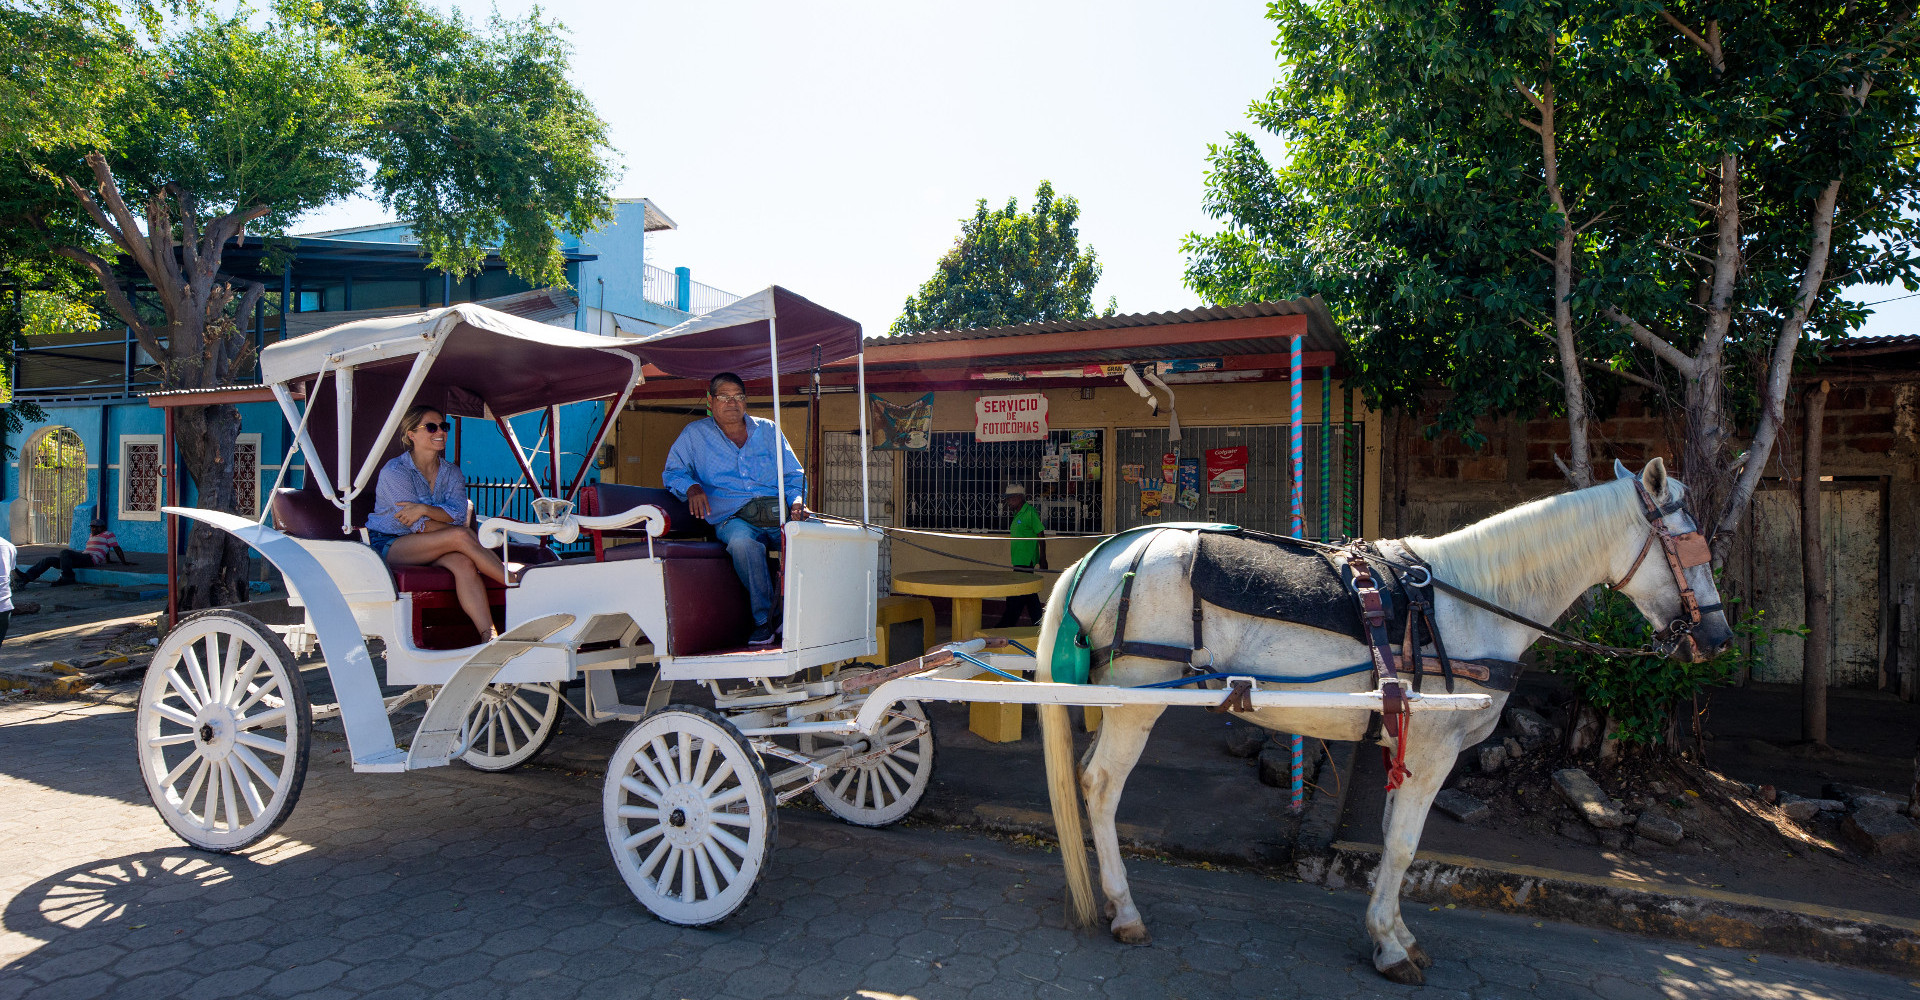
<point x="1873" y="345"/>
<point x="1321" y="335"/>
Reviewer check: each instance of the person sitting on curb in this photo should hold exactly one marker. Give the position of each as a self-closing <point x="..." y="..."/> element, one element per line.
<point x="101" y="544"/>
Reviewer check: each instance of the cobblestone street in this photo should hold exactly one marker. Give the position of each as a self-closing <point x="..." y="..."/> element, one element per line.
<point x="457" y="883"/>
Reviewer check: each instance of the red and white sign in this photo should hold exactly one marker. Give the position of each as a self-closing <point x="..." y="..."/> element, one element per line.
<point x="1227" y="470"/>
<point x="1010" y="418"/>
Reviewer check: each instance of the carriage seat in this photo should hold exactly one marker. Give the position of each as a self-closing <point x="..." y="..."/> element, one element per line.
<point x="686" y="536"/>
<point x="706" y="605"/>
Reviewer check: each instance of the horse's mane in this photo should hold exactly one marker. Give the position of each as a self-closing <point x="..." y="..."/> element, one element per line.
<point x="1519" y="552"/>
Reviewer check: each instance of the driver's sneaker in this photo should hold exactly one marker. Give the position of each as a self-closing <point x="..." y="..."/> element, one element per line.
<point x="763" y="635"/>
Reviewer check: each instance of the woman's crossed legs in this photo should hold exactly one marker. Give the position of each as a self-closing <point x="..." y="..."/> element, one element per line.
<point x="459" y="552"/>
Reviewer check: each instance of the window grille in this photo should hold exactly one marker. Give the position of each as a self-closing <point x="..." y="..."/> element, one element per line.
<point x="246" y="475"/>
<point x="839" y="491"/>
<point x="1266" y="504"/>
<point x="140" y="473"/>
<point x="959" y="483"/>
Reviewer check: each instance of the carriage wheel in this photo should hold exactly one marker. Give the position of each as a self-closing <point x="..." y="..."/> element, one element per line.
<point x="880" y="792"/>
<point x="509" y="724"/>
<point x="689" y="815"/>
<point x="223" y="731"/>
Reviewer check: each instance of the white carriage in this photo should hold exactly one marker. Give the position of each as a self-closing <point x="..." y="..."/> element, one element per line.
<point x="690" y="793"/>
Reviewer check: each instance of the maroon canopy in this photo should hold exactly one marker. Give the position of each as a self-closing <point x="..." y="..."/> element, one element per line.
<point x="733" y="338"/>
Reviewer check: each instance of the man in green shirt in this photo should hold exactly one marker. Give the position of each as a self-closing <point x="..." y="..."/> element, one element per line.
<point x="1026" y="525"/>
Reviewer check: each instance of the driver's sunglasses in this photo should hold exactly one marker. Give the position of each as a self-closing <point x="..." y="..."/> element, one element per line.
<point x="730" y="397"/>
<point x="432" y="428"/>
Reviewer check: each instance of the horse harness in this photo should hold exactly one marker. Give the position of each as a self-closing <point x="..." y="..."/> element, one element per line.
<point x="1372" y="589"/>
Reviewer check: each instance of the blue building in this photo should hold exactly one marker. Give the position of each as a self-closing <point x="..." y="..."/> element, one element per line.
<point x="99" y="450"/>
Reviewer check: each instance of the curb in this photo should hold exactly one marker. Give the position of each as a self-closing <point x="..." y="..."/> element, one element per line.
<point x="66" y="685"/>
<point x="1678" y="912"/>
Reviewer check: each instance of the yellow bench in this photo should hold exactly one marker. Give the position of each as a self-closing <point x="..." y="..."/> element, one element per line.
<point x="896" y="609"/>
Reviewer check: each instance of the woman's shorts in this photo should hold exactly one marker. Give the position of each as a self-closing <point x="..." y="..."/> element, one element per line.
<point x="380" y="541"/>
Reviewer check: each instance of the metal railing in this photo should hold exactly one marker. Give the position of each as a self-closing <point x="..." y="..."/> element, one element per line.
<point x="513" y="498"/>
<point x="677" y="290"/>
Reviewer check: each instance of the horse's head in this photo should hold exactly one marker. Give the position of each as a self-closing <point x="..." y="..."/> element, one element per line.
<point x="1670" y="576"/>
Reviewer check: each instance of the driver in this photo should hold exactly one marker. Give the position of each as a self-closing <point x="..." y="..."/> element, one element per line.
<point x="723" y="467"/>
<point x="420" y="515"/>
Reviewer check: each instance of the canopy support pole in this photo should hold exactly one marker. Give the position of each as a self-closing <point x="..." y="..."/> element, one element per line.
<point x="401" y="403"/>
<point x="343" y="421"/>
<point x="780" y="436"/>
<point x="519" y="454"/>
<point x="618" y="407"/>
<point x="860" y="363"/>
<point x="315" y="466"/>
<point x="173" y="523"/>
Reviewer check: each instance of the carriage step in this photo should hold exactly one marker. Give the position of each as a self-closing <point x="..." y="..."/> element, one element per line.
<point x="393" y="761"/>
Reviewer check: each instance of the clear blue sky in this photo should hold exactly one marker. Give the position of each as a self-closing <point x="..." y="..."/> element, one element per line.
<point x="834" y="147"/>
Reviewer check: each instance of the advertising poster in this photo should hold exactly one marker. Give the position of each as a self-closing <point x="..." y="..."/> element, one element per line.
<point x="1093" y="465"/>
<point x="1010" y="418"/>
<point x="1131" y="473"/>
<point x="1189" y="495"/>
<point x="901" y="426"/>
<point x="1086" y="441"/>
<point x="1227" y="470"/>
<point x="1076" y="466"/>
<point x="1149" y="503"/>
<point x="1170" y="466"/>
<point x="950" y="455"/>
<point x="1049" y="468"/>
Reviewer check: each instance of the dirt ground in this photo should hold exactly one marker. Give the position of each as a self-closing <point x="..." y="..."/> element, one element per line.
<point x="1734" y="840"/>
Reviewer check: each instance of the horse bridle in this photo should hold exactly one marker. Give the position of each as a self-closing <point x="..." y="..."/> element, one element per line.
<point x="1683" y="551"/>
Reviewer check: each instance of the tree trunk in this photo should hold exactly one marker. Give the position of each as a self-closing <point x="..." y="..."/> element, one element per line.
<point x="214" y="569"/>
<point x="1813" y="568"/>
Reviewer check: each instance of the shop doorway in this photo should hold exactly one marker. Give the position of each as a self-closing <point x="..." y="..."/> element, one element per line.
<point x="55" y="466"/>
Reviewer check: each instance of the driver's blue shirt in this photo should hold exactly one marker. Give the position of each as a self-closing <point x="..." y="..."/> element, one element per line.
<point x="401" y="482"/>
<point x="732" y="474"/>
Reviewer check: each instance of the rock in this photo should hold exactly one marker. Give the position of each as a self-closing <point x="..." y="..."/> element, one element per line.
<point x="1513" y="748"/>
<point x="1276" y="767"/>
<point x="1800" y="810"/>
<point x="1614" y="840"/>
<point x="1245" y="741"/>
<point x="1532" y="729"/>
<point x="1847" y="793"/>
<point x="1587" y="799"/>
<point x="1879" y="831"/>
<point x="1493" y="758"/>
<point x="1461" y="806"/>
<point x="1769" y="794"/>
<point x="1884" y="803"/>
<point x="1581" y="832"/>
<point x="1662" y="829"/>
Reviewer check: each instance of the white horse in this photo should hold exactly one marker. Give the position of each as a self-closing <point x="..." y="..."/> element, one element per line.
<point x="1535" y="560"/>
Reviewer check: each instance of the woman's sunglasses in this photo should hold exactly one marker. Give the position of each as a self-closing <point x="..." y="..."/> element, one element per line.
<point x="432" y="428"/>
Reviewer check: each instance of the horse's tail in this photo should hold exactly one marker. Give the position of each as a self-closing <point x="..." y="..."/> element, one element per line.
<point x="1063" y="784"/>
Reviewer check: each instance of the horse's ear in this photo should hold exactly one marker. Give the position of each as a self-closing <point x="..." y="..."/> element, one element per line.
<point x="1620" y="470"/>
<point x="1655" y="477"/>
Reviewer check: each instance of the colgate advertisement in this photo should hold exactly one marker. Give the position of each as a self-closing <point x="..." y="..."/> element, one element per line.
<point x="1010" y="418"/>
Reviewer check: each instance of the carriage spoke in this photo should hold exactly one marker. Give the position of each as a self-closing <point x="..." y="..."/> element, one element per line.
<point x="183" y="689"/>
<point x="243" y="683"/>
<point x="167" y="741"/>
<point x="734" y="819"/>
<point x="726" y="798"/>
<point x="893" y="787"/>
<point x="846" y="778"/>
<point x="274" y="715"/>
<point x="259" y="742"/>
<point x="229" y="668"/>
<point x="683" y="759"/>
<point x="179" y="769"/>
<point x="227" y="778"/>
<point x="634" y="785"/>
<point x="637" y="812"/>
<point x="256" y="693"/>
<point x="719" y="778"/>
<point x="700" y="766"/>
<point x="653" y="859"/>
<point x="528" y="730"/>
<point x="248" y="793"/>
<point x="172" y="714"/>
<point x="190" y="665"/>
<point x="259" y="767"/>
<point x="210" y="665"/>
<point x="529" y="709"/>
<point x="892" y="765"/>
<point x="634" y="840"/>
<point x="722" y="862"/>
<point x="730" y="842"/>
<point x="686" y="876"/>
<point x="705" y="868"/>
<point x="646" y="762"/>
<point x="210" y="813"/>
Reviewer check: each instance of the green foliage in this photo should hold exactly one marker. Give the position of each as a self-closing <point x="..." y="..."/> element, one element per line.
<point x="1639" y="693"/>
<point x="1009" y="267"/>
<point x="1412" y="195"/>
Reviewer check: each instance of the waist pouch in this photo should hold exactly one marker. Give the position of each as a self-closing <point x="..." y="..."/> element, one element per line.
<point x="761" y="512"/>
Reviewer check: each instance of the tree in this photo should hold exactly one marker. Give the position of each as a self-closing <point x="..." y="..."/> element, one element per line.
<point x="1536" y="201"/>
<point x="224" y="130"/>
<point x="1009" y="267"/>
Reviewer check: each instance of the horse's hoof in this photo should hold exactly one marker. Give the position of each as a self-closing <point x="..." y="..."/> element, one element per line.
<point x="1405" y="973"/>
<point x="1134" y="934"/>
<point x="1420" y="956"/>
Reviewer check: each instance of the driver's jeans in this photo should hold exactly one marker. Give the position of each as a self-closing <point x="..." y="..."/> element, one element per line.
<point x="748" y="546"/>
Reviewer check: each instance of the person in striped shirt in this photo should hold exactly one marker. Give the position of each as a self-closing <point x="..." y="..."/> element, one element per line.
<point x="101" y="547"/>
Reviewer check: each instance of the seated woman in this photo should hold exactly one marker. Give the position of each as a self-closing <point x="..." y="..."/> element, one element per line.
<point x="420" y="516"/>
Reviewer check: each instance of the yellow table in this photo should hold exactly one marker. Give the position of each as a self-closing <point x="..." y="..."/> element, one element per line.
<point x="967" y="588"/>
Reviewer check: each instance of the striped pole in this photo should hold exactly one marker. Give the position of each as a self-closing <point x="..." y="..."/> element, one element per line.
<point x="1296" y="785"/>
<point x="1326" y="453"/>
